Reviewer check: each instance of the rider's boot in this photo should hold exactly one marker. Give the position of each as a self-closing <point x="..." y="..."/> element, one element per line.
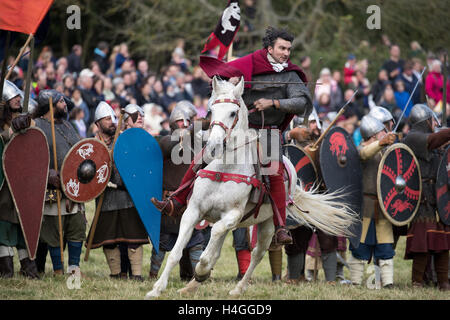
<point x="173" y="206"/>
<point x="278" y="194"/>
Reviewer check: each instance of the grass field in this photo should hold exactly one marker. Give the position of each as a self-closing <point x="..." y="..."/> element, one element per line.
<point x="98" y="285"/>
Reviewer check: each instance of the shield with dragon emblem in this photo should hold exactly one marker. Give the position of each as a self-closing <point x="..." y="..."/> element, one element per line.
<point x="86" y="170"/>
<point x="399" y="184"/>
<point x="342" y="172"/>
<point x="303" y="164"/>
<point x="442" y="188"/>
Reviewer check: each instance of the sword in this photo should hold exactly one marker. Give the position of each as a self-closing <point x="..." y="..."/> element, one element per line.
<point x="410" y="97"/>
<point x="341" y="260"/>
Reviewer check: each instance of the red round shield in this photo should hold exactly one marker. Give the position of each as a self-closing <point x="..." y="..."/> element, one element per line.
<point x="86" y="170"/>
<point x="304" y="165"/>
<point x="442" y="188"/>
<point x="399" y="184"/>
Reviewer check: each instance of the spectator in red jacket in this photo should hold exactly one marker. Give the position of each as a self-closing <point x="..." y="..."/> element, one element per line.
<point x="349" y="69"/>
<point x="434" y="84"/>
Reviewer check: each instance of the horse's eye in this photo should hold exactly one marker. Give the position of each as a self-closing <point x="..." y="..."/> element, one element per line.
<point x="233" y="114"/>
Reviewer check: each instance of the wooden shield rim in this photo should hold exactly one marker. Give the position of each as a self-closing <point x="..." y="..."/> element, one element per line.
<point x="380" y="168"/>
<point x="4" y="176"/>
<point x="32" y="257"/>
<point x="309" y="157"/>
<point x="441" y="163"/>
<point x="77" y="145"/>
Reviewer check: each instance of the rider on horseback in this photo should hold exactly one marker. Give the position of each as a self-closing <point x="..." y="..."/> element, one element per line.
<point x="278" y="99"/>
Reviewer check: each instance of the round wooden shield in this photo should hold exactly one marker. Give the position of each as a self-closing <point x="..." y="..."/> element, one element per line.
<point x="86" y="170"/>
<point x="442" y="188"/>
<point x="399" y="184"/>
<point x="303" y="164"/>
<point x="341" y="171"/>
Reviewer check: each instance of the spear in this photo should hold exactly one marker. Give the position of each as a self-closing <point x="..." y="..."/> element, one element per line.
<point x="334" y="120"/>
<point x="28" y="83"/>
<point x="19" y="56"/>
<point x="58" y="195"/>
<point x="407" y="102"/>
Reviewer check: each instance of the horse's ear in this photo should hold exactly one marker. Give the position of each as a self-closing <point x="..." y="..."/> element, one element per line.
<point x="215" y="83"/>
<point x="239" y="89"/>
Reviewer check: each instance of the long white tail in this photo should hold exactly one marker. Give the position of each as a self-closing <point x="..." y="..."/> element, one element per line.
<point x="322" y="211"/>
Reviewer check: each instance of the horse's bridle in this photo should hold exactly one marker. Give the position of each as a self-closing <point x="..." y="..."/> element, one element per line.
<point x="220" y="123"/>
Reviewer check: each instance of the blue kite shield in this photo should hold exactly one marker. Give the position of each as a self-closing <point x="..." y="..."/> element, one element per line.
<point x="139" y="160"/>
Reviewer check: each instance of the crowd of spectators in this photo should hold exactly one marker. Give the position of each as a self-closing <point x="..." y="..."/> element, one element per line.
<point x="112" y="75"/>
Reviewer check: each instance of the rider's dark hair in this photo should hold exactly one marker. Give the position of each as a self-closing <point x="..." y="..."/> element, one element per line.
<point x="272" y="34"/>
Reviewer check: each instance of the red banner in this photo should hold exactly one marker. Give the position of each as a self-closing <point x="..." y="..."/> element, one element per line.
<point x="23" y="15"/>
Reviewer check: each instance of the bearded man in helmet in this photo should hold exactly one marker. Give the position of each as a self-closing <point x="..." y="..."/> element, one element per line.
<point x="377" y="236"/>
<point x="119" y="221"/>
<point x="73" y="219"/>
<point x="427" y="235"/>
<point x="12" y="121"/>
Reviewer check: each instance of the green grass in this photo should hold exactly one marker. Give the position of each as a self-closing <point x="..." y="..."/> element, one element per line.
<point x="98" y="285"/>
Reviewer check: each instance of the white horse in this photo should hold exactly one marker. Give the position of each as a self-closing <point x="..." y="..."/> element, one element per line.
<point x="225" y="203"/>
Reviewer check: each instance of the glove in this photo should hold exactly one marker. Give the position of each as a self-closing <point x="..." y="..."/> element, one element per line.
<point x="205" y="123"/>
<point x="388" y="139"/>
<point x="54" y="182"/>
<point x="300" y="134"/>
<point x="21" y="122"/>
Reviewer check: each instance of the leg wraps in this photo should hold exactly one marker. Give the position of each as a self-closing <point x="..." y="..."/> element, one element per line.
<point x="6" y="251"/>
<point x="387" y="271"/>
<point x="418" y="266"/>
<point x="55" y="254"/>
<point x="296" y="264"/>
<point x="156" y="261"/>
<point x="136" y="257"/>
<point x="275" y="258"/>
<point x="74" y="252"/>
<point x="356" y="269"/>
<point x="113" y="260"/>
<point x="194" y="255"/>
<point x="441" y="266"/>
<point x="329" y="264"/>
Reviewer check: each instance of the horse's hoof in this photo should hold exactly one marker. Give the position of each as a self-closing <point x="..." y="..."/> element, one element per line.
<point x="152" y="294"/>
<point x="235" y="293"/>
<point x="191" y="287"/>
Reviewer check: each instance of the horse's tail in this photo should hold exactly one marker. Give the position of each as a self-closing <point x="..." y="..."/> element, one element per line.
<point x="322" y="211"/>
